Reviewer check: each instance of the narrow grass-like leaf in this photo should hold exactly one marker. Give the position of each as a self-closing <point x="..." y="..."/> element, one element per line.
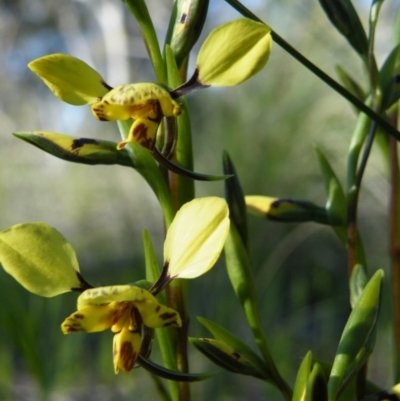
<point x="300" y="387"/>
<point x="226" y="357"/>
<point x="336" y="199"/>
<point x="230" y="339"/>
<point x="389" y="76"/>
<point x="351" y="84"/>
<point x="358" y="336"/>
<point x="357" y="283"/>
<point x="235" y="198"/>
<point x="317" y="384"/>
<point x="344" y="17"/>
<point x="139" y="10"/>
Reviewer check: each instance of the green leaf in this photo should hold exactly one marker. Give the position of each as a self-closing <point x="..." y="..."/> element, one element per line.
<point x="239" y="270"/>
<point x="40" y="259"/>
<point x="226" y="337"/>
<point x="303" y="374"/>
<point x="358" y="337"/>
<point x="78" y="150"/>
<point x="336" y="199"/>
<point x="344" y="17"/>
<point x="389" y="79"/>
<point x="360" y="133"/>
<point x="235" y="198"/>
<point x="358" y="281"/>
<point x="226" y="356"/>
<point x="139" y="10"/>
<point x="317" y="384"/>
<point x="351" y="84"/>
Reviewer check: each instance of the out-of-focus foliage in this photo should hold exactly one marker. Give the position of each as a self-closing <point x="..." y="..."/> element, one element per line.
<point x="267" y="125"/>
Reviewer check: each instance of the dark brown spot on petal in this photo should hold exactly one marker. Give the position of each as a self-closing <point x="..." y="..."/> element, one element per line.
<point x="71" y="328"/>
<point x="167" y="316"/>
<point x="158" y="308"/>
<point x="79" y="316"/>
<point x="140" y="132"/>
<point x="128" y="356"/>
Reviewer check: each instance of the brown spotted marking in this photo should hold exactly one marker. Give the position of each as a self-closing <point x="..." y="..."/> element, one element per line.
<point x="168" y="315"/>
<point x="79" y="316"/>
<point x="127" y="356"/>
<point x="140" y="132"/>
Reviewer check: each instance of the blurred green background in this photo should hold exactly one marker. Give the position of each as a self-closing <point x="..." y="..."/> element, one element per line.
<point x="268" y="125"/>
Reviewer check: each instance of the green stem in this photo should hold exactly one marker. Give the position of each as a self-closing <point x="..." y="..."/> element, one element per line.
<point x="352" y="205"/>
<point x="319" y="73"/>
<point x="394" y="244"/>
<point x="144" y="163"/>
<point x="241" y="276"/>
<point x="262" y="345"/>
<point x="177" y="299"/>
<point x="139" y="9"/>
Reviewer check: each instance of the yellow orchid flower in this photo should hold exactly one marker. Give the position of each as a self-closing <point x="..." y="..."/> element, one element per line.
<point x="146" y="103"/>
<point x="124" y="309"/>
<point x="76" y="83"/>
<point x="41" y="260"/>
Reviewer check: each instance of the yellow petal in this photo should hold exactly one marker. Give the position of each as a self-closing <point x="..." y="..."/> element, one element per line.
<point x="39" y="258"/>
<point x="155" y="315"/>
<point x="152" y="313"/>
<point x="95" y="317"/>
<point x="196" y="237"/>
<point x="126" y="348"/>
<point x="143" y="132"/>
<point x="234" y="52"/>
<point x="135" y="101"/>
<point x="259" y="205"/>
<point x="70" y="79"/>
